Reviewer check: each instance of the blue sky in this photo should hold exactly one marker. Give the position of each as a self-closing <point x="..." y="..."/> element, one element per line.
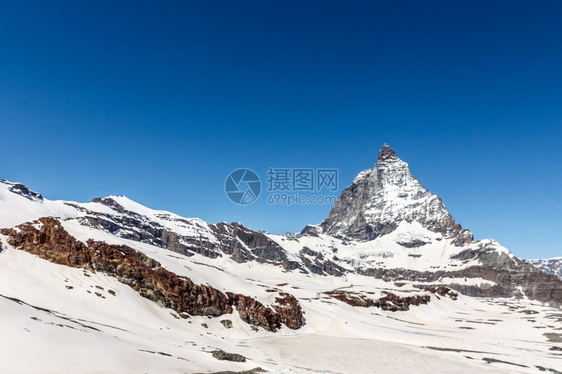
<point x="159" y="101"/>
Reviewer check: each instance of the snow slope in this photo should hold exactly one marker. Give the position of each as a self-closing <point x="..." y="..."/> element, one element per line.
<point x="121" y="331"/>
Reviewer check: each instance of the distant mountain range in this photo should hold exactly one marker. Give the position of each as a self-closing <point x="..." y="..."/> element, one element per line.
<point x="549" y="266"/>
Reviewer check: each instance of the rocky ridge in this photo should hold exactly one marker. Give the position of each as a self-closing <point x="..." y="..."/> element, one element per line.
<point x="47" y="239"/>
<point x="185" y="236"/>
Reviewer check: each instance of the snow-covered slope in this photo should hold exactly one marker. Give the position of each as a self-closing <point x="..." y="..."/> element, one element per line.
<point x="409" y="247"/>
<point x="18" y="204"/>
<point x="51" y="312"/>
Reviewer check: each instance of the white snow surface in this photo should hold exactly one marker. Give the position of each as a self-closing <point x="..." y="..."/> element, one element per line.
<point x="17" y="209"/>
<point x="387" y="252"/>
<point x="121" y="331"/>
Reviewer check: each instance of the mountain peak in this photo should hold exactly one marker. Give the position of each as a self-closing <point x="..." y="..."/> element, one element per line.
<point x="386" y="153"/>
<point x="379" y="199"/>
<point x="22" y="190"/>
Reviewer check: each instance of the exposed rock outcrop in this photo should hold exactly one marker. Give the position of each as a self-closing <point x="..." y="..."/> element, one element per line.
<point x="47" y="239"/>
<point x="389" y="302"/>
<point x="22" y="190"/>
<point x="394" y="303"/>
<point x="226" y="323"/>
<point x="225" y="356"/>
<point x="442" y="291"/>
<point x="318" y="264"/>
<point x="289" y="310"/>
<point x="255" y="313"/>
<point x="211" y="240"/>
<point x="526" y="281"/>
<point x="352" y="298"/>
<point x="286" y="310"/>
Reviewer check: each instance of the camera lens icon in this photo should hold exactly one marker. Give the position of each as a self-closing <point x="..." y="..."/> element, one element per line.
<point x="242" y="186"/>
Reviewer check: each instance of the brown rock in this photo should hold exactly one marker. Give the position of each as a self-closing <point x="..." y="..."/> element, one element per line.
<point x="145" y="275"/>
<point x="389" y="301"/>
<point x="225" y="356"/>
<point x="442" y="291"/>
<point x="394" y="303"/>
<point x="255" y="313"/>
<point x="351" y="298"/>
<point x="289" y="309"/>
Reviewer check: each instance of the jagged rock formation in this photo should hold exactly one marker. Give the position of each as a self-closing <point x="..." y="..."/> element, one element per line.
<point x="225" y="356"/>
<point x="194" y="236"/>
<point x="442" y="291"/>
<point x="186" y="236"/>
<point x="22" y="190"/>
<point x="287" y="311"/>
<point x="47" y="239"/>
<point x="380" y="198"/>
<point x="389" y="302"/>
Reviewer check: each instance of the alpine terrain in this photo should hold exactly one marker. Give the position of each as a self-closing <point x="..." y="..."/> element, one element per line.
<point x="549" y="265"/>
<point x="389" y="282"/>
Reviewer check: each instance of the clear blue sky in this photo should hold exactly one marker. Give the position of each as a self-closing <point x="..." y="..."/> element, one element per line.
<point x="159" y="101"/>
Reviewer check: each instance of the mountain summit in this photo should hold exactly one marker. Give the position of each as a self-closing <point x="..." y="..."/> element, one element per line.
<point x="379" y="199"/>
<point x="386" y="153"/>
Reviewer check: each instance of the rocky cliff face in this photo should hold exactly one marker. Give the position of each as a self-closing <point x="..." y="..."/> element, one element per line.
<point x="523" y="282"/>
<point x="47" y="239"/>
<point x="382" y="197"/>
<point x="390" y="301"/>
<point x="185" y="236"/>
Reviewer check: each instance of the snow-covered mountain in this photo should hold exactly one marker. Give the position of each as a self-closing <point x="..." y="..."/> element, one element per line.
<point x="549" y="265"/>
<point x="389" y="271"/>
<point x="379" y="199"/>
